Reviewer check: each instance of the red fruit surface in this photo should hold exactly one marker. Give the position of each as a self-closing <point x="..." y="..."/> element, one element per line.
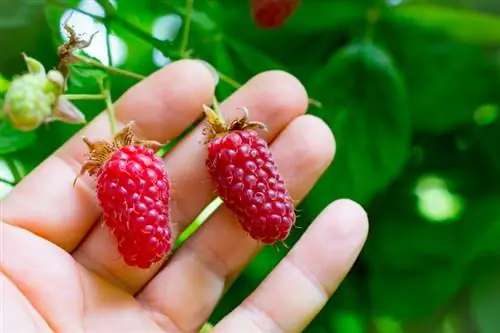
<point x="133" y="191"/>
<point x="248" y="181"/>
<point x="272" y="13"/>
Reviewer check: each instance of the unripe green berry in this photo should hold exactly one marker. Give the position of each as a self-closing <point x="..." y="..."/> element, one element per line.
<point x="29" y="100"/>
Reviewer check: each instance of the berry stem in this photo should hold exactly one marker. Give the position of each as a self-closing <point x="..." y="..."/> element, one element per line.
<point x="109" y="106"/>
<point x="214" y="117"/>
<point x="108" y="69"/>
<point x="76" y="97"/>
<point x="187" y="26"/>
<point x="111" y="112"/>
<point x="230" y="81"/>
<point x="108" y="44"/>
<point x="217" y="110"/>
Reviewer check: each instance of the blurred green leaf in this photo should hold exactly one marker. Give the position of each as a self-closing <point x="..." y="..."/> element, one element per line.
<point x="4" y="84"/>
<point x="15" y="14"/>
<point x="364" y="101"/>
<point x="12" y="139"/>
<point x="251" y="58"/>
<point x="343" y="321"/>
<point x="83" y="75"/>
<point x="320" y="15"/>
<point x="413" y="294"/>
<point x="466" y="25"/>
<point x="224" y="63"/>
<point x="447" y="80"/>
<point x="484" y="298"/>
<point x="403" y="239"/>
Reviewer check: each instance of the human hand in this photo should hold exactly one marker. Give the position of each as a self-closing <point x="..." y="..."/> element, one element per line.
<point x="60" y="268"/>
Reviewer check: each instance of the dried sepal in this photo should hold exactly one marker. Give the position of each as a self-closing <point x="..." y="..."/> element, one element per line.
<point x="74" y="42"/>
<point x="216" y="126"/>
<point x="101" y="150"/>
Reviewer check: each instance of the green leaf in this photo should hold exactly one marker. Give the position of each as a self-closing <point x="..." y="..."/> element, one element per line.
<point x="416" y="243"/>
<point x="223" y="62"/>
<point x="447" y="80"/>
<point x="16" y="14"/>
<point x="12" y="139"/>
<point x="251" y="58"/>
<point x="364" y="101"/>
<point x="319" y="16"/>
<point x="484" y="298"/>
<point x="466" y="25"/>
<point x="4" y="84"/>
<point x="345" y="321"/>
<point x="413" y="294"/>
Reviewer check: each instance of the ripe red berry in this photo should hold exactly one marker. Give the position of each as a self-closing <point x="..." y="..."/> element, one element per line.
<point x="272" y="13"/>
<point x="248" y="180"/>
<point x="133" y="192"/>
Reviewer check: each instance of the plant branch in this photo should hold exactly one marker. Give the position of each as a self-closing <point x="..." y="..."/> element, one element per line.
<point x="187" y="26"/>
<point x="109" y="10"/>
<point x="108" y="69"/>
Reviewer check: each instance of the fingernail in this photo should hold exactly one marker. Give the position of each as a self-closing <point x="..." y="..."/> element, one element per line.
<point x="212" y="70"/>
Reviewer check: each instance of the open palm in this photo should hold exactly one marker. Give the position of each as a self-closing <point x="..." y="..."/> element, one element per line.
<point x="60" y="267"/>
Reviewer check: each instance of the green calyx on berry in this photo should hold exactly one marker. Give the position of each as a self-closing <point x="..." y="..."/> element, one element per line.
<point x="35" y="98"/>
<point x="217" y="126"/>
<point x="101" y="150"/>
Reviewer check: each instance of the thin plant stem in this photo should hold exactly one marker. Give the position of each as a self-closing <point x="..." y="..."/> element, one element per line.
<point x="111" y="112"/>
<point x="109" y="69"/>
<point x="232" y="82"/>
<point x="109" y="9"/>
<point x="236" y="85"/>
<point x="8" y="182"/>
<point x="108" y="45"/>
<point x="187" y="26"/>
<point x="110" y="109"/>
<point x="76" y="97"/>
<point x="113" y="16"/>
<point x="16" y="173"/>
<point x="107" y="6"/>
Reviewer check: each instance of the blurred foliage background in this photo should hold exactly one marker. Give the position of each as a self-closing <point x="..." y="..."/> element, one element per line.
<point x="411" y="89"/>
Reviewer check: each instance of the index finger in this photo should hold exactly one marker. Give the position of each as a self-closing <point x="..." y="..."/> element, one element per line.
<point x="162" y="106"/>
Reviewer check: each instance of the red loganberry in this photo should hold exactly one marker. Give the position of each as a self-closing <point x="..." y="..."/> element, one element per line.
<point x="133" y="192"/>
<point x="272" y="14"/>
<point x="248" y="180"/>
